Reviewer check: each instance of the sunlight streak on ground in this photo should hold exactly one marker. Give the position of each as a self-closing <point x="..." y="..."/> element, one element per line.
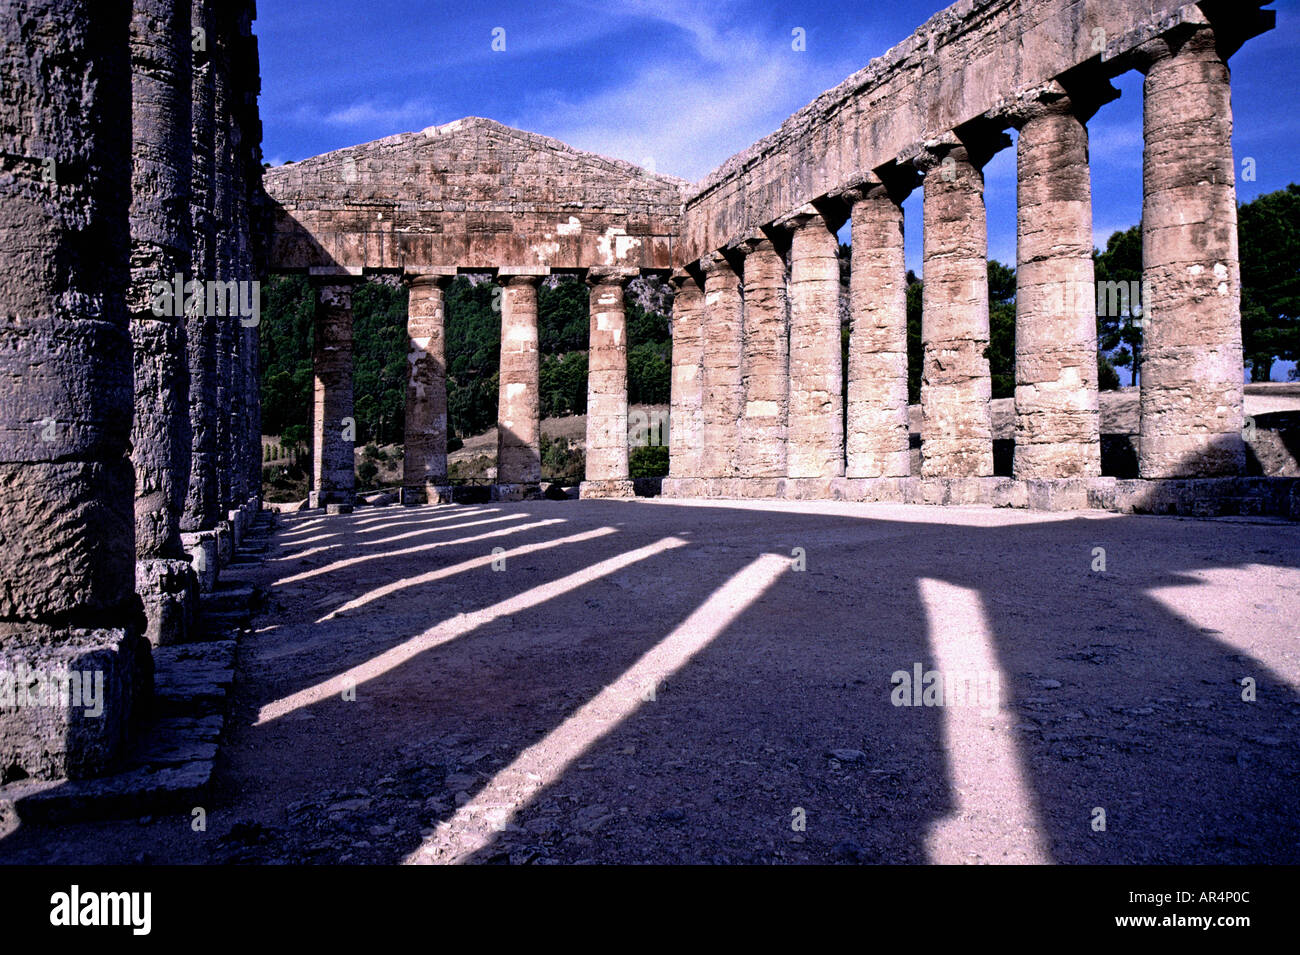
<point x="444" y="572"/>
<point x="458" y="626"/>
<point x="353" y="561"/>
<point x="994" y="820"/>
<point x="439" y="530"/>
<point x="476" y="823"/>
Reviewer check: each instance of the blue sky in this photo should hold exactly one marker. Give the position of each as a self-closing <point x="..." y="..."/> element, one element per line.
<point x="680" y="85"/>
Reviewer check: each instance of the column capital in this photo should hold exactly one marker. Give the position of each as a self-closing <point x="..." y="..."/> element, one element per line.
<point x="441" y="279"/>
<point x="610" y="275"/>
<point x="518" y="280"/>
<point x="977" y="142"/>
<point x="1081" y="98"/>
<point x="805" y="217"/>
<point x="716" y="261"/>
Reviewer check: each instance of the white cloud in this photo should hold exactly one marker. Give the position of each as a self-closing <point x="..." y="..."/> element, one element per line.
<point x="406" y="115"/>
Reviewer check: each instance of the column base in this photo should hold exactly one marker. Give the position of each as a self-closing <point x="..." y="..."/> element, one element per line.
<point x="202" y="548"/>
<point x="597" y="490"/>
<point x="327" y="499"/>
<point x="49" y="735"/>
<point x="169" y="589"/>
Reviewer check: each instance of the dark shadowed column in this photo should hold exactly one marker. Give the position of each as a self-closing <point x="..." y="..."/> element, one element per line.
<point x="766" y="363"/>
<point x="816" y="419"/>
<point x="67" y="530"/>
<point x="519" y="456"/>
<point x="160" y="265"/>
<point x="334" y="429"/>
<point x="685" y="414"/>
<point x="1058" y="430"/>
<point x="424" y="462"/>
<point x="877" y="427"/>
<point x="723" y="338"/>
<point x="607" y="439"/>
<point x="1192" y="367"/>
<point x="956" y="423"/>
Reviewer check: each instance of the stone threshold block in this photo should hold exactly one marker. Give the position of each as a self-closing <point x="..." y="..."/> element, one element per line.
<point x="602" y="490"/>
<point x="202" y="548"/>
<point x="68" y="699"/>
<point x="514" y="492"/>
<point x="430" y="494"/>
<point x="169" y="589"/>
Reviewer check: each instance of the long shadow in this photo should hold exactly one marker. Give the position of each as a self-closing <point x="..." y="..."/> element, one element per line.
<point x="1121" y="694"/>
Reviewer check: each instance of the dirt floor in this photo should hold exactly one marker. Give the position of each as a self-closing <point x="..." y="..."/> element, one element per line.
<point x="650" y="681"/>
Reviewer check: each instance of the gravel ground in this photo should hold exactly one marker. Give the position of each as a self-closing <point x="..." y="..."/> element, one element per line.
<point x="659" y="681"/>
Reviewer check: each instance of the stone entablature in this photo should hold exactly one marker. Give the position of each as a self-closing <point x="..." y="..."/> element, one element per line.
<point x="965" y="62"/>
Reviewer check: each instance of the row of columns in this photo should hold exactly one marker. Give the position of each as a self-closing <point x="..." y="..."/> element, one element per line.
<point x="757" y="387"/>
<point x="424" y="468"/>
<point x="109" y="411"/>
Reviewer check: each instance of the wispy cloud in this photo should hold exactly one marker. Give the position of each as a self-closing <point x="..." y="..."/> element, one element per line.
<point x="724" y="87"/>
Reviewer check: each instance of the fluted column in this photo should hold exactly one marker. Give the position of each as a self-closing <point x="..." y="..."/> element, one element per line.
<point x="765" y="363"/>
<point x="333" y="424"/>
<point x="67" y="529"/>
<point x="1058" y="429"/>
<point x="723" y="353"/>
<point x="202" y="509"/>
<point x="816" y="413"/>
<point x="519" y="456"/>
<point x="1192" y="366"/>
<point x="956" y="423"/>
<point x="877" y="437"/>
<point x="160" y="262"/>
<point x="607" y="442"/>
<point x="686" y="409"/>
<point x="424" y="463"/>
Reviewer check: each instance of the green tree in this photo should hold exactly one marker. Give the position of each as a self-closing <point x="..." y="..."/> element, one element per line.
<point x="1002" y="329"/>
<point x="1119" y="331"/>
<point x="1269" y="233"/>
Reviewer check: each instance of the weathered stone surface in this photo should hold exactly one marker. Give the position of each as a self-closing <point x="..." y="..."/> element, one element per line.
<point x="686" y="411"/>
<point x="607" y="438"/>
<point x="1191" y="351"/>
<point x="877" y="435"/>
<point x="424" y="466"/>
<point x="816" y="422"/>
<point x="428" y="203"/>
<point x="956" y="430"/>
<point x="1058" y="433"/>
<point x="519" y="457"/>
<point x="723" y="354"/>
<point x="765" y="364"/>
<point x="169" y="589"/>
<point x="333" y="425"/>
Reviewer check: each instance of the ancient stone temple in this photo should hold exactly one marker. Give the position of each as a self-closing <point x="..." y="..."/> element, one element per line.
<point x="136" y="220"/>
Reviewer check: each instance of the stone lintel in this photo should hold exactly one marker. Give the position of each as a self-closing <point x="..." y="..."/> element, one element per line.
<point x="610" y="275"/>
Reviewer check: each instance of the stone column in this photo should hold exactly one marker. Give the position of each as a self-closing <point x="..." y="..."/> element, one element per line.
<point x="1058" y="429"/>
<point x="160" y="265"/>
<point x="202" y="502"/>
<point x="424" y="464"/>
<point x="223" y="210"/>
<point x="816" y="417"/>
<point x="334" y="428"/>
<point x="956" y="424"/>
<point x="766" y="363"/>
<point x="67" y="530"/>
<point x="686" y="409"/>
<point x="607" y="442"/>
<point x="1192" y="366"/>
<point x="877" y="439"/>
<point x="519" y="455"/>
<point x="723" y="348"/>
